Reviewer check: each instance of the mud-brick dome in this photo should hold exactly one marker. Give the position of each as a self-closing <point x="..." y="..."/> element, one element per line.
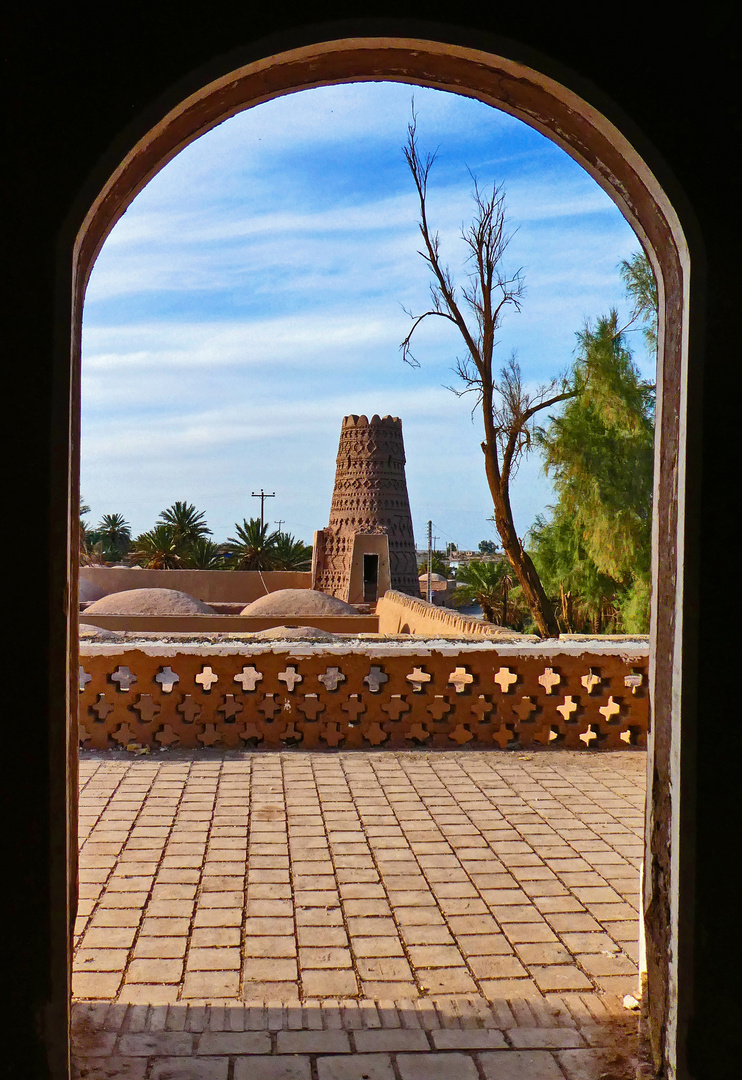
<point x="149" y="602"/>
<point x="293" y="602"/>
<point x="88" y="591"/>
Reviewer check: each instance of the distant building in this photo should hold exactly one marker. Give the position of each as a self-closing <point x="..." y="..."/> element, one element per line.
<point x="368" y="545"/>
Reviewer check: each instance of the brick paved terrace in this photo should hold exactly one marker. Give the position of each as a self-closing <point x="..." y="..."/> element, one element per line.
<point x="306" y="914"/>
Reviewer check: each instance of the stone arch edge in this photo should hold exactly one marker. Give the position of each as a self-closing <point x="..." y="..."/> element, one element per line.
<point x="506" y="78"/>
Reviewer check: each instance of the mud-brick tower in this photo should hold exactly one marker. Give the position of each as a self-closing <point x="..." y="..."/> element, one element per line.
<point x="368" y="546"/>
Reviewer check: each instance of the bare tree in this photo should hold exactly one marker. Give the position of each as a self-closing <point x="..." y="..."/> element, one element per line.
<point x="476" y="310"/>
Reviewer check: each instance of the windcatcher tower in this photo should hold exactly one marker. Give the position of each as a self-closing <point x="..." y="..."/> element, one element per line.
<point x="368" y="546"/>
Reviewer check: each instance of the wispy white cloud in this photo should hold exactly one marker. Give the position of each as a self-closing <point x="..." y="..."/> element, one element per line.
<point x="253" y="294"/>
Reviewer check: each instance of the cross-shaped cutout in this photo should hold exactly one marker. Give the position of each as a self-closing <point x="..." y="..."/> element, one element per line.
<point x="123" y="677"/>
<point x="549" y="680"/>
<point x="190" y="709"/>
<point x="505" y="678"/>
<point x="375" y="679"/>
<point x="83" y="678"/>
<point x="207" y="678"/>
<point x="249" y="678"/>
<point x="567" y="708"/>
<point x="167" y="679"/>
<point x="460" y="679"/>
<point x="634" y="680"/>
<point x="147" y="708"/>
<point x="102" y="708"/>
<point x="332" y="678"/>
<point x="290" y="676"/>
<point x="418" y="677"/>
<point x="591" y="681"/>
<point x="439" y="707"/>
<point x="609" y="710"/>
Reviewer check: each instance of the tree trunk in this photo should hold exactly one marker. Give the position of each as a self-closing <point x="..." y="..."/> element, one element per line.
<point x="525" y="571"/>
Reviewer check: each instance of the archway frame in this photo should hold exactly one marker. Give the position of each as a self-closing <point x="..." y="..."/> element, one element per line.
<point x="593" y="132"/>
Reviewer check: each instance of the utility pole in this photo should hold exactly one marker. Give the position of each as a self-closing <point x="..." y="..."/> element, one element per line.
<point x="280" y="523"/>
<point x="263" y="495"/>
<point x="430" y="562"/>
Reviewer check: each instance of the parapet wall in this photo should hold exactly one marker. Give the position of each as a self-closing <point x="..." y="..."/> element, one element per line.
<point x="211" y="586"/>
<point x="400" y="614"/>
<point x="326" y="697"/>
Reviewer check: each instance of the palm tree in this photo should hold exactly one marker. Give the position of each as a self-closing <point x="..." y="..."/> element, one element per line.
<point x="482" y="583"/>
<point x="188" y="523"/>
<point x="253" y="547"/>
<point x="291" y="554"/>
<point x="204" y="554"/>
<point x="114" y="531"/>
<point x="158" y="549"/>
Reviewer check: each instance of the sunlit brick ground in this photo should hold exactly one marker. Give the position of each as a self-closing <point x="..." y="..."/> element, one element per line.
<point x="334" y="886"/>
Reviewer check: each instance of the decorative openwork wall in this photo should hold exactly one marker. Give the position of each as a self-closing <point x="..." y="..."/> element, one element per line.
<point x="319" y="699"/>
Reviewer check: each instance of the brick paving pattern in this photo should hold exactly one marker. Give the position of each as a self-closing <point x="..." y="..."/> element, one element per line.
<point x="409" y="909"/>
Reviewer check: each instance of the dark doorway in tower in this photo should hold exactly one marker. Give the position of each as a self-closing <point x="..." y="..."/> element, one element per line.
<point x="370" y="579"/>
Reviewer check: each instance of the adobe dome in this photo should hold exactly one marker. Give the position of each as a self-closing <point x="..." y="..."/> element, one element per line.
<point x="88" y="590"/>
<point x="149" y="602"/>
<point x="433" y="577"/>
<point x="296" y="633"/>
<point x="294" y="602"/>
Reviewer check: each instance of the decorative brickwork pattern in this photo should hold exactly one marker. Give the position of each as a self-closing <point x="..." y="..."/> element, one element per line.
<point x="370" y="496"/>
<point x="321" y="700"/>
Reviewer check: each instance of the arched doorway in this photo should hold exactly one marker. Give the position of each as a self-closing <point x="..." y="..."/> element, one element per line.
<point x="608" y="155"/>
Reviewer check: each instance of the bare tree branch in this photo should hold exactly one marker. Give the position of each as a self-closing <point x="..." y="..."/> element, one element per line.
<point x="476" y="309"/>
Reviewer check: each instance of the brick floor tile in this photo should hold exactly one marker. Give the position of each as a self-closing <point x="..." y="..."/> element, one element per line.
<point x="402" y="990"/>
<point x="210" y="984"/>
<point x="545" y="1038"/>
<point x="386" y="968"/>
<point x="169" y="909"/>
<point x="274" y="1068"/>
<point x="450" y="980"/>
<point x="559" y="977"/>
<point x="377" y="946"/>
<point x="369" y="1066"/>
<point x="148" y="994"/>
<point x="519" y="1065"/>
<point x="418" y="916"/>
<point x="95" y="984"/>
<point x="101" y="959"/>
<point x="214" y="916"/>
<point x="390" y="1040"/>
<point x="324" y="958"/>
<point x="234" y="1042"/>
<point x="116" y="917"/>
<point x="528" y="932"/>
<point x="322" y="936"/>
<point x="146" y="1044"/>
<point x="573" y="922"/>
<point x="270" y="969"/>
<point x="543" y="953"/>
<point x="497" y="967"/>
<point x="588" y="943"/>
<point x="484" y="944"/>
<point x="429" y="956"/>
<point x="113" y="1068"/>
<point x="312" y="1042"/>
<point x="366" y="907"/>
<point x="468" y="1039"/>
<point x="270" y="908"/>
<point x="609" y="913"/>
<point x="319" y="916"/>
<point x="213" y="960"/>
<point x="275" y="995"/>
<point x="154" y="971"/>
<point x="473" y="924"/>
<point x="160" y="948"/>
<point x="274" y="946"/>
<point x="510" y="990"/>
<point x="201" y="1069"/>
<point x="437" y="1067"/>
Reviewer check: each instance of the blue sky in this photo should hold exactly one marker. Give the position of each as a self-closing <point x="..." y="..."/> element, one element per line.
<point x="253" y="294"/>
